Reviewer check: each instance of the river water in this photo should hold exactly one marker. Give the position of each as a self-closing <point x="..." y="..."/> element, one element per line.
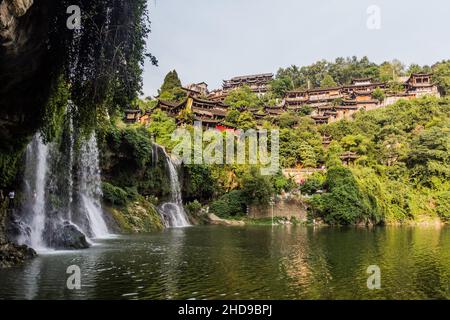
<point x="253" y="262"/>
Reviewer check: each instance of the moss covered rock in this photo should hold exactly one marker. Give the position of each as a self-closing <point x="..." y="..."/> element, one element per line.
<point x="136" y="217"/>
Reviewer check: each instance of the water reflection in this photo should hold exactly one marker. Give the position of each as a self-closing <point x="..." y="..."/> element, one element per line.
<point x="285" y="262"/>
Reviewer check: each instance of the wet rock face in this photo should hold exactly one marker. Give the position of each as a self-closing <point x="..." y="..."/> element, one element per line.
<point x="10" y="12"/>
<point x="66" y="236"/>
<point x="12" y="254"/>
<point x="24" y="67"/>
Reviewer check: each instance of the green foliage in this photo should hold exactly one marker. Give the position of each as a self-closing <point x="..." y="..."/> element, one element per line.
<point x="343" y="203"/>
<point x="441" y="75"/>
<point x="161" y="127"/>
<point x="403" y="167"/>
<point x="171" y="89"/>
<point x="313" y="184"/>
<point x="280" y="86"/>
<point x="257" y="189"/>
<point x="194" y="207"/>
<point x="300" y="146"/>
<point x="282" y="184"/>
<point x="114" y="195"/>
<point x="9" y="166"/>
<point x="327" y="82"/>
<point x="108" y="52"/>
<point x="246" y="121"/>
<point x="305" y="110"/>
<point x="231" y="204"/>
<point x="429" y="155"/>
<point x="199" y="182"/>
<point x="54" y="110"/>
<point x="232" y="118"/>
<point x="378" y="94"/>
<point x="127" y="162"/>
<point x="287" y="120"/>
<point x="171" y="81"/>
<point x="389" y="71"/>
<point x="242" y="97"/>
<point x="342" y="71"/>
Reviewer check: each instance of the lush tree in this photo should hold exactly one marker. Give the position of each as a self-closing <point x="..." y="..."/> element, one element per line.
<point x="280" y="86"/>
<point x="171" y="81"/>
<point x="246" y="121"/>
<point x="441" y="75"/>
<point x="242" y="97"/>
<point x="171" y="89"/>
<point x="257" y="189"/>
<point x="232" y="118"/>
<point x="327" y="82"/>
<point x="378" y="94"/>
<point x="343" y="203"/>
<point x="287" y="120"/>
<point x="390" y="71"/>
<point x="161" y="127"/>
<point x="232" y="204"/>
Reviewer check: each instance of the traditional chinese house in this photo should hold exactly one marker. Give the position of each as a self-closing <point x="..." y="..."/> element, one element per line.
<point x="349" y="157"/>
<point x="145" y="118"/>
<point x="324" y="94"/>
<point x="217" y="95"/>
<point x="321" y="119"/>
<point x="171" y="108"/>
<point x="258" y="83"/>
<point x="197" y="89"/>
<point x="326" y="140"/>
<point x="132" y="115"/>
<point x="421" y="84"/>
<point x="210" y="113"/>
<point x="362" y="85"/>
<point x="295" y="99"/>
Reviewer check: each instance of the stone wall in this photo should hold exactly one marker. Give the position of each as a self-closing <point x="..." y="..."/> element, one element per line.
<point x="286" y="208"/>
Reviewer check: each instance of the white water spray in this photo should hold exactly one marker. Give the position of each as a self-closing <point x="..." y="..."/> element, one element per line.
<point x="90" y="188"/>
<point x="36" y="175"/>
<point x="173" y="212"/>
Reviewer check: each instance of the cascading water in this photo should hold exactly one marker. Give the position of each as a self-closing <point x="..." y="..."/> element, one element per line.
<point x="90" y="188"/>
<point x="35" y="178"/>
<point x="62" y="193"/>
<point x="173" y="212"/>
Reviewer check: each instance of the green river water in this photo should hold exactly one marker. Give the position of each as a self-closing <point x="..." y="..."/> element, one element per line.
<point x="252" y="262"/>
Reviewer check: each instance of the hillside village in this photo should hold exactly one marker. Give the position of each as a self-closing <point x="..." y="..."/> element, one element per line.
<point x="327" y="104"/>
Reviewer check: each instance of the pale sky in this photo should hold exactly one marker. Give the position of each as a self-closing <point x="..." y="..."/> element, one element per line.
<point x="212" y="40"/>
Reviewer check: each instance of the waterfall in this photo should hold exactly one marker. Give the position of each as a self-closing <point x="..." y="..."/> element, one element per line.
<point x="62" y="193"/>
<point x="90" y="188"/>
<point x="173" y="212"/>
<point x="35" y="178"/>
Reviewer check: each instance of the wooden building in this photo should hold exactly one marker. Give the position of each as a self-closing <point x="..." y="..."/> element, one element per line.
<point x="258" y="83"/>
<point x="171" y="108"/>
<point x="217" y="95"/>
<point x="321" y="119"/>
<point x="274" y="110"/>
<point x="349" y="157"/>
<point x="132" y="115"/>
<point x="362" y="85"/>
<point x="197" y="89"/>
<point x="421" y="84"/>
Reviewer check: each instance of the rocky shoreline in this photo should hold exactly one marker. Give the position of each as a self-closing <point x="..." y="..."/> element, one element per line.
<point x="12" y="254"/>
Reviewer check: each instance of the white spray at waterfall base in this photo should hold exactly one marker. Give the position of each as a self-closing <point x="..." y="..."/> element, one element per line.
<point x="173" y="212"/>
<point x="90" y="188"/>
<point x="56" y="211"/>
